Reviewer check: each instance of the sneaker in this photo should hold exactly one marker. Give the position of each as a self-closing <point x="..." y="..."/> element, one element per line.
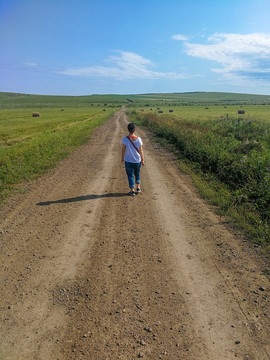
<point x="139" y="190"/>
<point x="131" y="193"/>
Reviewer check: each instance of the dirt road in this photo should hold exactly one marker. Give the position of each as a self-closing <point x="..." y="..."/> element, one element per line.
<point x="90" y="273"/>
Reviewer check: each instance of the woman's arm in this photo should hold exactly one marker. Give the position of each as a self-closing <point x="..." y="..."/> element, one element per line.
<point x="141" y="153"/>
<point x="123" y="152"/>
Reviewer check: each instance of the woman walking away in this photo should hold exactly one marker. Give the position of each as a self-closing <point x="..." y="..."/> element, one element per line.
<point x="132" y="155"/>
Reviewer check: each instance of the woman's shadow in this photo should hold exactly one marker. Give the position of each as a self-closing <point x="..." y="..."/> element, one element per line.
<point x="82" y="198"/>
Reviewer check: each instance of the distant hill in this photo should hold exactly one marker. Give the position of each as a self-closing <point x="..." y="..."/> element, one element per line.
<point x="197" y="98"/>
<point x="17" y="100"/>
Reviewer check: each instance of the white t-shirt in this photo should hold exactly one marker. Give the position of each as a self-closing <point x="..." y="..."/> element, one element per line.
<point x="131" y="154"/>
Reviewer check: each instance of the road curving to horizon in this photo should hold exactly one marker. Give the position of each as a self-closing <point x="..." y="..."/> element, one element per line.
<point x="88" y="272"/>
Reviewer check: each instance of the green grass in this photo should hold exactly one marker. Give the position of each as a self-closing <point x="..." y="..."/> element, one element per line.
<point x="211" y="112"/>
<point x="29" y="146"/>
<point x="228" y="156"/>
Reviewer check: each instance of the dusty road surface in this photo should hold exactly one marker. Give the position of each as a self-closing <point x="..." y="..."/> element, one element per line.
<point x="88" y="272"/>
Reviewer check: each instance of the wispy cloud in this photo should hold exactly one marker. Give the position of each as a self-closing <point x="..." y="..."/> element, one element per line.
<point x="180" y="37"/>
<point x="31" y="64"/>
<point x="124" y="66"/>
<point x="246" y="56"/>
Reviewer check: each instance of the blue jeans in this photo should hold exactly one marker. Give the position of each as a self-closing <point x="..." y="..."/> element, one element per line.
<point x="133" y="169"/>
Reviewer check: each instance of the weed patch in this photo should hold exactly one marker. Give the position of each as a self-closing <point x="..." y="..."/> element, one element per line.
<point x="229" y="160"/>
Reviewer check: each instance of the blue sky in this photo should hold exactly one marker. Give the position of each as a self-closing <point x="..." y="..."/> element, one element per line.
<point x="83" y="47"/>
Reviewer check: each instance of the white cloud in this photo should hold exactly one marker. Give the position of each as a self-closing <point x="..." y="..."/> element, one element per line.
<point x="125" y="66"/>
<point x="180" y="37"/>
<point x="241" y="55"/>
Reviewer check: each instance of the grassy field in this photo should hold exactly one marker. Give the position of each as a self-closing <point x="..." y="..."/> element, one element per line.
<point x="29" y="146"/>
<point x="227" y="154"/>
<point x="212" y="112"/>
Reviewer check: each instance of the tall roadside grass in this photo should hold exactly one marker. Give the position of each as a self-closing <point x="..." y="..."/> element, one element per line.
<point x="232" y="155"/>
<point x="30" y="146"/>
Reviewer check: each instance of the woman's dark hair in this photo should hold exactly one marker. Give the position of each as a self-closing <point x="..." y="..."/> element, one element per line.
<point x="131" y="127"/>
